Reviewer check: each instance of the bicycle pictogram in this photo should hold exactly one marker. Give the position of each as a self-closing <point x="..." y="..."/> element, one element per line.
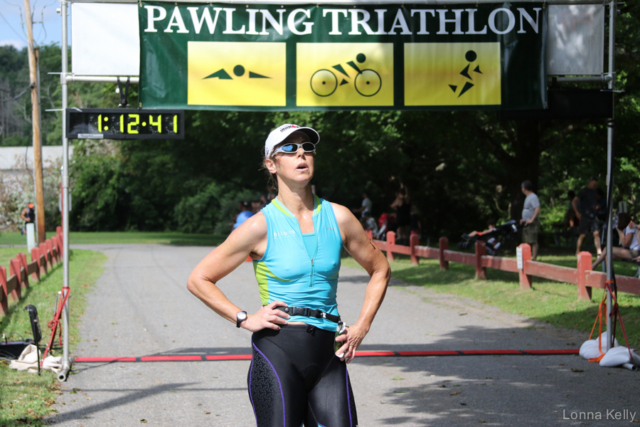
<point x="367" y="82"/>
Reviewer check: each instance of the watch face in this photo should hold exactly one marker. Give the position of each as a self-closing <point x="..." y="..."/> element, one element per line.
<point x="242" y="315"/>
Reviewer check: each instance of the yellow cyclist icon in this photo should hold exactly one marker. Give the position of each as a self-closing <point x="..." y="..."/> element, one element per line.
<point x="367" y="82"/>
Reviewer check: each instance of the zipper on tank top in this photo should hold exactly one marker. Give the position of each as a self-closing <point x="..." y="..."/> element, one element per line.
<point x="312" y="273"/>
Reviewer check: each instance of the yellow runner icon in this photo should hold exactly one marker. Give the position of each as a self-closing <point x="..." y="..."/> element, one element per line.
<point x="452" y="74"/>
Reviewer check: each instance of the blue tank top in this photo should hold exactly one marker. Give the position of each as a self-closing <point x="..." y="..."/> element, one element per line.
<point x="287" y="273"/>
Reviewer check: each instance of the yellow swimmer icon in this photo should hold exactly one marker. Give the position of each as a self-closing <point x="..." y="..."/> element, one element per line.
<point x="237" y="73"/>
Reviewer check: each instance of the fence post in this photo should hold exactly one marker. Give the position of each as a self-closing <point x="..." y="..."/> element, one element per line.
<point x="391" y="241"/>
<point x="60" y="245"/>
<point x="54" y="245"/>
<point x="4" y="305"/>
<point x="584" y="265"/>
<point x="35" y="256"/>
<point x="524" y="255"/>
<point x="481" y="272"/>
<point x="14" y="270"/>
<point x="50" y="249"/>
<point x="443" y="244"/>
<point x="414" y="240"/>
<point x="22" y="257"/>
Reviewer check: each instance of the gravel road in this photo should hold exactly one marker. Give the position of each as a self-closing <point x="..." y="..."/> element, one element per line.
<point x="141" y="307"/>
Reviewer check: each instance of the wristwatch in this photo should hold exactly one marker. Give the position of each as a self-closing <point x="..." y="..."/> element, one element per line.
<point x="240" y="317"/>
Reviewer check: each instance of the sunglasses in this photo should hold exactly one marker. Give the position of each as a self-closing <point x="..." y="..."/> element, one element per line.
<point x="293" y="147"/>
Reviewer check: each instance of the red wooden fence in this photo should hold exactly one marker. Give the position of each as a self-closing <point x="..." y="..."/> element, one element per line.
<point x="42" y="259"/>
<point x="582" y="276"/>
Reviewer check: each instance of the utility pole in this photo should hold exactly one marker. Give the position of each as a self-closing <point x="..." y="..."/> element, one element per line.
<point x="35" y="119"/>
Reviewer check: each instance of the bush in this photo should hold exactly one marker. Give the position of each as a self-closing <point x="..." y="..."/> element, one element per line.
<point x="199" y="213"/>
<point x="229" y="208"/>
<point x="212" y="209"/>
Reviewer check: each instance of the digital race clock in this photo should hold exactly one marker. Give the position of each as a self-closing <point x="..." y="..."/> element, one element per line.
<point x="121" y="123"/>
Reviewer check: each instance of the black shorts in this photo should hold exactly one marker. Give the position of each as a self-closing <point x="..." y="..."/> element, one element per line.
<point x="295" y="378"/>
<point x="587" y="225"/>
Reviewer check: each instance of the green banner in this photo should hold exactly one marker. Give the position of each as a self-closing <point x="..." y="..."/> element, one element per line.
<point x="312" y="57"/>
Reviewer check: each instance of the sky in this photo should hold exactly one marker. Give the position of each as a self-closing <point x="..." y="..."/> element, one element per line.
<point x="47" y="26"/>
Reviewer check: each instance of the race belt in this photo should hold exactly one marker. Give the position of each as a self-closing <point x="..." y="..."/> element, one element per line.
<point x="309" y="312"/>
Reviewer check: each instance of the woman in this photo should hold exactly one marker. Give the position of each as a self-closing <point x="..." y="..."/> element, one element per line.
<point x="403" y="216"/>
<point x="298" y="372"/>
<point x="628" y="233"/>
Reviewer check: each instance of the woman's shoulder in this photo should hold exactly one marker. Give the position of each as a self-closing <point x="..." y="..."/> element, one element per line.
<point x="342" y="213"/>
<point x="338" y="209"/>
<point x="255" y="227"/>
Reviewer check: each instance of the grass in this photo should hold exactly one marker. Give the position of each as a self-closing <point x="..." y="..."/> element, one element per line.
<point x="25" y="399"/>
<point x="551" y="302"/>
<point x="6" y="254"/>
<point x="139" y="237"/>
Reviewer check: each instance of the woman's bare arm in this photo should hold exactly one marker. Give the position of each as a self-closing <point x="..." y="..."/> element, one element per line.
<point x="365" y="252"/>
<point x="249" y="238"/>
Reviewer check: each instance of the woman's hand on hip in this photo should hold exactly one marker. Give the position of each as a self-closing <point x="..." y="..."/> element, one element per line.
<point x="268" y="317"/>
<point x="351" y="340"/>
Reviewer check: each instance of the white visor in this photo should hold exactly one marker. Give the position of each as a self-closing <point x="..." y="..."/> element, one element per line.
<point x="282" y="132"/>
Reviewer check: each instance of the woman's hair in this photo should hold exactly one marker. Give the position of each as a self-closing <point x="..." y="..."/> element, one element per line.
<point x="623" y="220"/>
<point x="272" y="180"/>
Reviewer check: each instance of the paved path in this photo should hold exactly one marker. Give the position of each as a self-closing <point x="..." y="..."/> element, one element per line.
<point x="141" y="307"/>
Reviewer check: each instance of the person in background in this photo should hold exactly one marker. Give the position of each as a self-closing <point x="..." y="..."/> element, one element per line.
<point x="628" y="234"/>
<point x="382" y="227"/>
<point x="601" y="207"/>
<point x="585" y="205"/>
<point x="244" y="215"/>
<point x="530" y="218"/>
<point x="366" y="206"/>
<point x="491" y="226"/>
<point x="263" y="201"/>
<point x="415" y="226"/>
<point x="403" y="216"/>
<point x="570" y="218"/>
<point x="28" y="214"/>
<point x="369" y="223"/>
<point x="491" y="241"/>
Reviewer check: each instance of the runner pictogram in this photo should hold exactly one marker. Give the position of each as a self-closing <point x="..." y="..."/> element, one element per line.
<point x="470" y="56"/>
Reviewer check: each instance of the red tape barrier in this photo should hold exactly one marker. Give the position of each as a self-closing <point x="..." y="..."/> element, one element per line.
<point x="358" y="354"/>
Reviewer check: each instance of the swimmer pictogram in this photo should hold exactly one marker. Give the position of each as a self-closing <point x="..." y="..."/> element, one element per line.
<point x="367" y="82"/>
<point x="238" y="71"/>
<point x="470" y="56"/>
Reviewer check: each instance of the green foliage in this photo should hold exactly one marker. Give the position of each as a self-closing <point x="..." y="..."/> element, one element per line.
<point x="229" y="208"/>
<point x="97" y="200"/>
<point x="459" y="167"/>
<point x="200" y="212"/>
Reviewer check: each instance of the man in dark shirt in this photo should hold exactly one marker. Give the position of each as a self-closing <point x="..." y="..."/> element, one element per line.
<point x="585" y="205"/>
<point x="28" y="214"/>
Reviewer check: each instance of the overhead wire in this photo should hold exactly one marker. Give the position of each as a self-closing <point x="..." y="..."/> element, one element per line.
<point x="22" y="38"/>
